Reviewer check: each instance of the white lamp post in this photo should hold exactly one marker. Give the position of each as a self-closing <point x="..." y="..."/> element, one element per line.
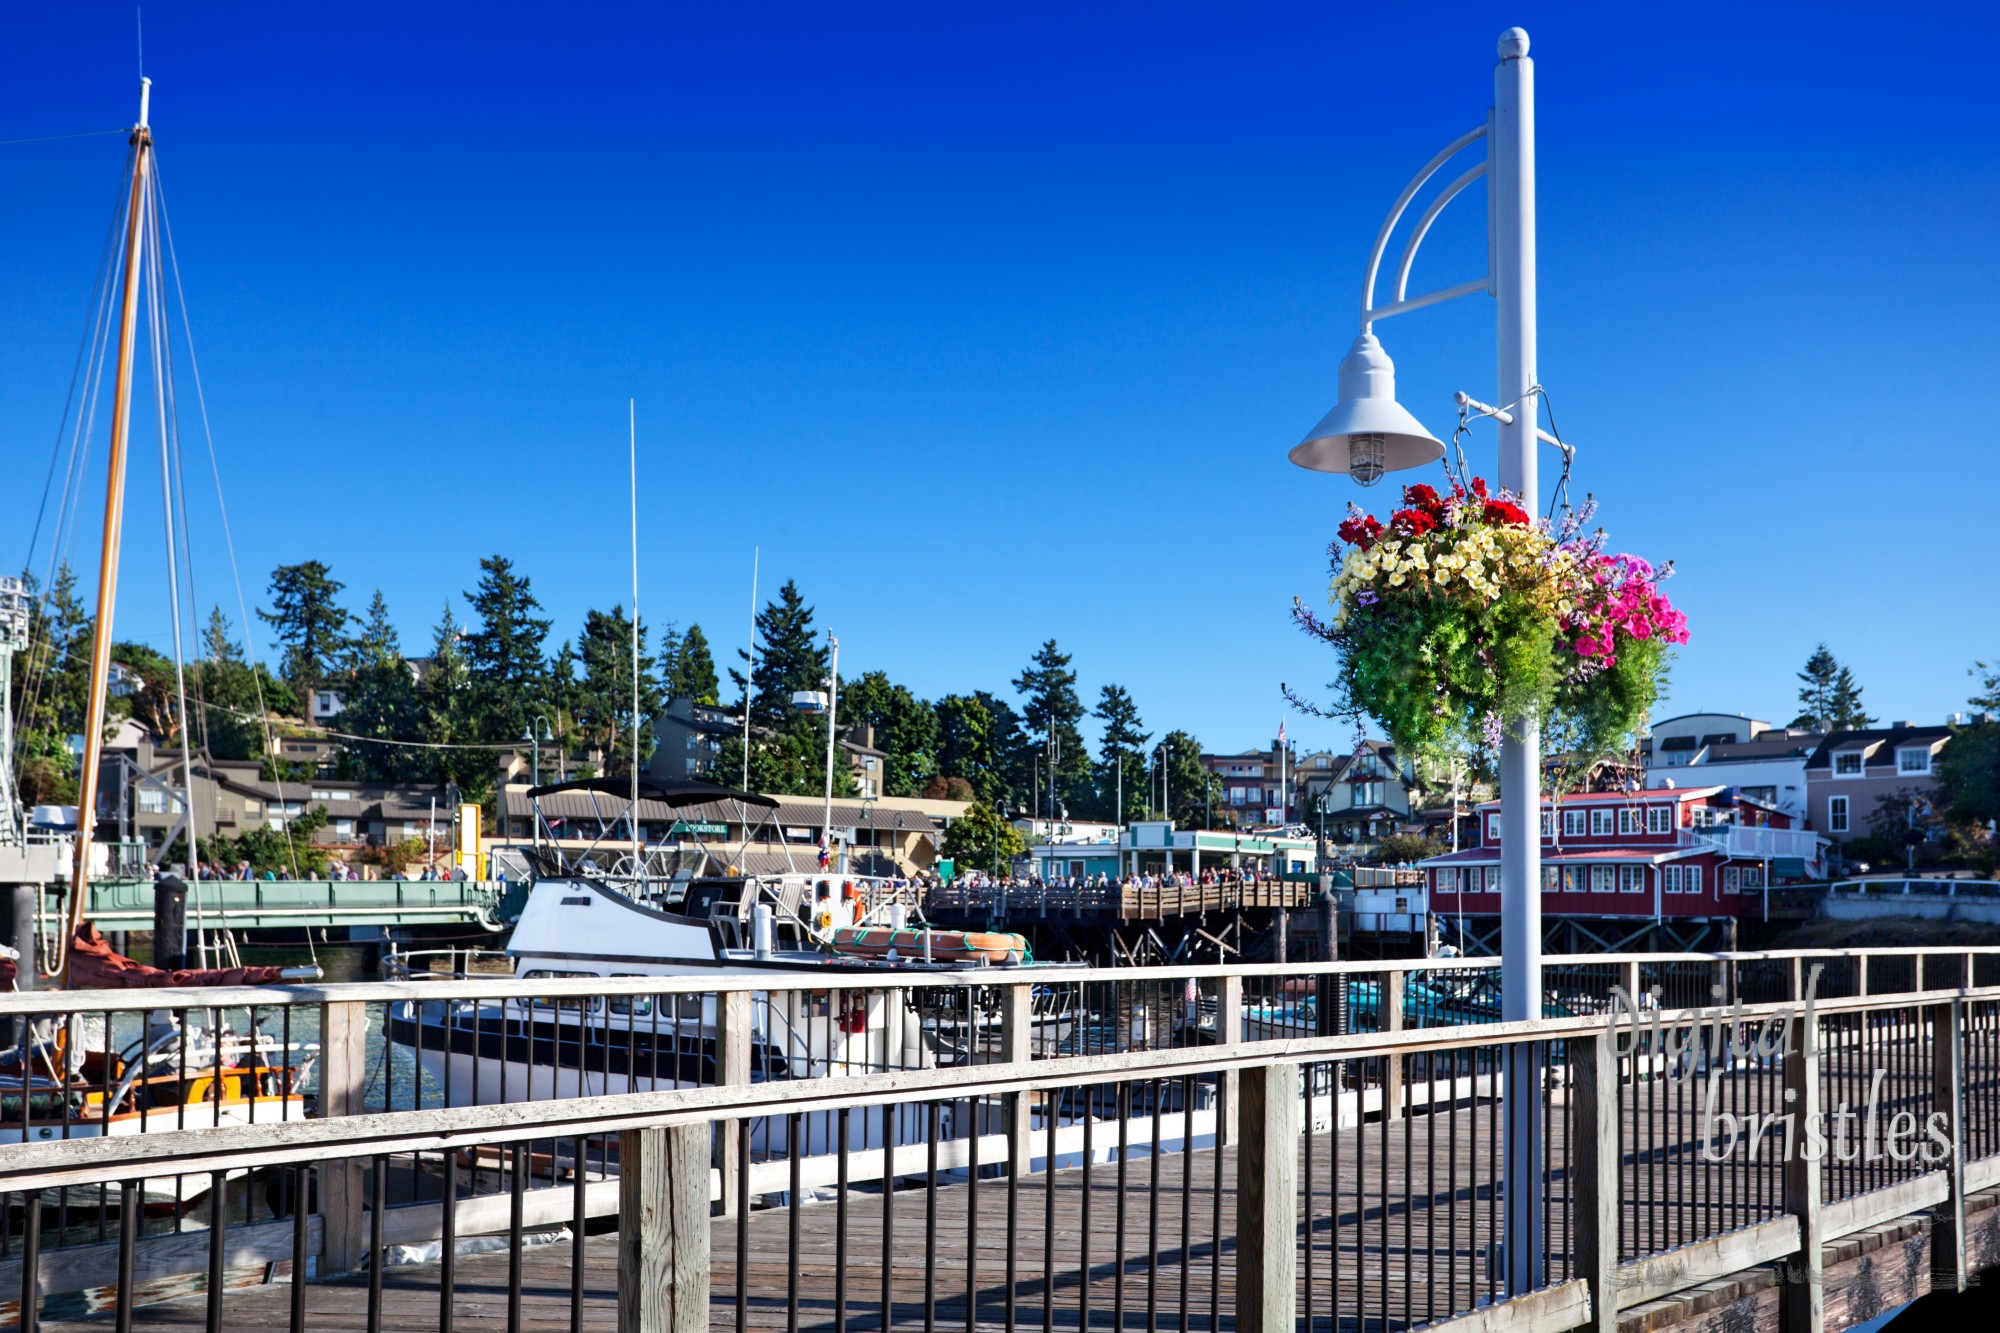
<point x="1369" y="433"/>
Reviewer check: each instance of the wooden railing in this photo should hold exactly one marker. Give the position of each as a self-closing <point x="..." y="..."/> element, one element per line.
<point x="1635" y="1211"/>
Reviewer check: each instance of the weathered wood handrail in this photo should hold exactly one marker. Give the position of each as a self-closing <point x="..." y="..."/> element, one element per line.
<point x="663" y="1198"/>
<point x="78" y="1161"/>
<point x="727" y="980"/>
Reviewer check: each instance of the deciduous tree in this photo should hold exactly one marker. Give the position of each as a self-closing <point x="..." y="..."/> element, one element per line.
<point x="904" y="725"/>
<point x="981" y="840"/>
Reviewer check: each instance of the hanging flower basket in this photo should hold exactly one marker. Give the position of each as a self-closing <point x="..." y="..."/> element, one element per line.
<point x="1463" y="615"/>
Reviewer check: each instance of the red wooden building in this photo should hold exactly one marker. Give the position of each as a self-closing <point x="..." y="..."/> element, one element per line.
<point x="1660" y="853"/>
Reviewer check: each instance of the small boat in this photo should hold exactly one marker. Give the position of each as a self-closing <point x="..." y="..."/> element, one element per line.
<point x="941" y="946"/>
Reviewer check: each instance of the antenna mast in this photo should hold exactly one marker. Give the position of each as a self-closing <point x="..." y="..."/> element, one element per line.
<point x="638" y="863"/>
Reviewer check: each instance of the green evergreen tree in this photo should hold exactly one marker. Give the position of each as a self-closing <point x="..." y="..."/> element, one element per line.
<point x="790" y="657"/>
<point x="905" y="727"/>
<point x="218" y="639"/>
<point x="1846" y="710"/>
<point x="1121" y="759"/>
<point x="1050" y="710"/>
<point x="381" y="703"/>
<point x="1830" y="695"/>
<point x="691" y="674"/>
<point x="451" y="713"/>
<point x="377" y="637"/>
<point x="503" y="652"/>
<point x="52" y="678"/>
<point x="564" y="695"/>
<point x="1193" y="792"/>
<point x="965" y="748"/>
<point x="604" y="698"/>
<point x="1014" y="752"/>
<point x="309" y="623"/>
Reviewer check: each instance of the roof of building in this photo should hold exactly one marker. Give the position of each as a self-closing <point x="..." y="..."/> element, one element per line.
<point x="1624" y="797"/>
<point x="1767" y="746"/>
<point x="1894" y="738"/>
<point x="1556" y="855"/>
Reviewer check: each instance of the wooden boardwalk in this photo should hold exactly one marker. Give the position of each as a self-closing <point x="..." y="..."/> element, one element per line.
<point x="1173" y="1256"/>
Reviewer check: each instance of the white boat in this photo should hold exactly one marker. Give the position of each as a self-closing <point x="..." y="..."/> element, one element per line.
<point x="578" y="922"/>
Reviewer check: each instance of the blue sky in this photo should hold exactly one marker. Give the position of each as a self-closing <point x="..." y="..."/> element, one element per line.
<point x="993" y="324"/>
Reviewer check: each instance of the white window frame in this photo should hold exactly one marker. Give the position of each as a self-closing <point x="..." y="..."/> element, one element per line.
<point x="1548" y="823"/>
<point x="1732" y="881"/>
<point x="1601" y="823"/>
<point x="1602" y="880"/>
<point x="1670" y="879"/>
<point x="1691" y="880"/>
<point x="1573" y="823"/>
<point x="1628" y="821"/>
<point x="1836" y="814"/>
<point x="1659" y="819"/>
<point x="1631" y="879"/>
<point x="1493" y="828"/>
<point x="1551" y="878"/>
<point x="1860" y="759"/>
<point x="1921" y="755"/>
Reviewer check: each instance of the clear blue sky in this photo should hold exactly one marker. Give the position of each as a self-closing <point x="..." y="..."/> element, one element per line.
<point x="994" y="325"/>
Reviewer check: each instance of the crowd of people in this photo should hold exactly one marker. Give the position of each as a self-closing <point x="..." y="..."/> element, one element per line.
<point x="1182" y="879"/>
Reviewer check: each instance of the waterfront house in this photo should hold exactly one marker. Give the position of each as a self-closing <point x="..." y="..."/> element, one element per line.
<point x="1851" y="773"/>
<point x="1765" y="763"/>
<point x="1659" y="852"/>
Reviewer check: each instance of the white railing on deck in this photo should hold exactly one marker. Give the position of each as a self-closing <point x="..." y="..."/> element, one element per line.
<point x="1916" y="888"/>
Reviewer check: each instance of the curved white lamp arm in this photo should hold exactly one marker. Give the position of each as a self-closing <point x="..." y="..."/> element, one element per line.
<point x="1424" y="221"/>
<point x="1396" y="215"/>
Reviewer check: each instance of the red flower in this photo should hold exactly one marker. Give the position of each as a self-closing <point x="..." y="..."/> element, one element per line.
<point x="1479" y="487"/>
<point x="1504" y="511"/>
<point x="1360" y="530"/>
<point x="1412" y="522"/>
<point x="1424" y="498"/>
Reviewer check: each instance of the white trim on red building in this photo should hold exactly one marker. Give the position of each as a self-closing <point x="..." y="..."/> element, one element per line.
<point x="1695" y="852"/>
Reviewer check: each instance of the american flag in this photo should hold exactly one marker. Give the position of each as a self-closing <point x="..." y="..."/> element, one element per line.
<point x="1281" y="734"/>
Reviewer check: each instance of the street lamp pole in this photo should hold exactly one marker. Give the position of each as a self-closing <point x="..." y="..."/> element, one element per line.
<point x="1367" y="434"/>
<point x="1511" y="153"/>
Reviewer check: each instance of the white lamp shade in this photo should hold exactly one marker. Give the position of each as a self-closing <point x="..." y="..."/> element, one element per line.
<point x="1367" y="406"/>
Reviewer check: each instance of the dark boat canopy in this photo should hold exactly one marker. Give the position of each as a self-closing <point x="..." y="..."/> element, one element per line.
<point x="669" y="791"/>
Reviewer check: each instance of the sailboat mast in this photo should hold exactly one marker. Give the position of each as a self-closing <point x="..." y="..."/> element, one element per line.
<point x="114" y="518"/>
<point x="638" y="843"/>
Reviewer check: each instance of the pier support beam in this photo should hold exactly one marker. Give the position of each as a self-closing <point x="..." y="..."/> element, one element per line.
<point x="663" y="1230"/>
<point x="1267" y="1186"/>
